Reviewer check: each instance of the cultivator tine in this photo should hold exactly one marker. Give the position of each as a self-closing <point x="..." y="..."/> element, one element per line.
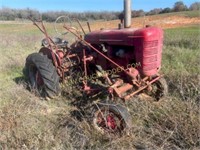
<point x="49" y="40"/>
<point x="81" y="26"/>
<point x="43" y="30"/>
<point x="88" y="24"/>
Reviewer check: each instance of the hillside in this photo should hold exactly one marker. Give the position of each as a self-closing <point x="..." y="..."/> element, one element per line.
<point x="170" y="20"/>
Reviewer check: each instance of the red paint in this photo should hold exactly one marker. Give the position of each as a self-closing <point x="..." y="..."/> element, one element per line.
<point x="39" y="79"/>
<point x="144" y="46"/>
<point x="111" y="123"/>
<point x="60" y="54"/>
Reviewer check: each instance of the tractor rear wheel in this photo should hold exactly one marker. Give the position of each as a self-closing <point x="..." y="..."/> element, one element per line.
<point x="42" y="75"/>
<point x="111" y="120"/>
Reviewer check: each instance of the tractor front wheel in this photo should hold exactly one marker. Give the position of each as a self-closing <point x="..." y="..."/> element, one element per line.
<point x="111" y="120"/>
<point x="42" y="75"/>
<point x="159" y="89"/>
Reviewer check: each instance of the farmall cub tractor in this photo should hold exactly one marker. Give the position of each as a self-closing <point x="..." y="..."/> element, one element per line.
<point x="119" y="64"/>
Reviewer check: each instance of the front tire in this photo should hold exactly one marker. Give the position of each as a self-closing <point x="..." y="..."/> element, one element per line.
<point x="42" y="75"/>
<point x="111" y="120"/>
<point x="159" y="89"/>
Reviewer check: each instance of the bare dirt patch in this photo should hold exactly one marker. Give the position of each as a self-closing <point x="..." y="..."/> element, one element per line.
<point x="159" y="21"/>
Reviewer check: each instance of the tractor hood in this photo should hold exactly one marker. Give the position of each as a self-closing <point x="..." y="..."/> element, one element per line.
<point x="109" y="36"/>
<point x="125" y="36"/>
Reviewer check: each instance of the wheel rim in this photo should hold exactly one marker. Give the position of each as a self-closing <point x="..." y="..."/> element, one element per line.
<point x="39" y="80"/>
<point x="109" y="121"/>
<point x="157" y="90"/>
<point x="36" y="80"/>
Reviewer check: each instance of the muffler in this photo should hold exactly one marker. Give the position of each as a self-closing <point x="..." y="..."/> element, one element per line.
<point x="127" y="13"/>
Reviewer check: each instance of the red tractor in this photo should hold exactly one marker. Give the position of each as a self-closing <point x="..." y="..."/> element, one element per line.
<point x="120" y="63"/>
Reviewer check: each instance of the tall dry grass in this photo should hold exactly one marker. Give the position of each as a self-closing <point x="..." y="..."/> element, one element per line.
<point x="28" y="122"/>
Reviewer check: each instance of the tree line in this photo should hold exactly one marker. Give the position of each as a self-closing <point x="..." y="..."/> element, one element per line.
<point x="50" y="16"/>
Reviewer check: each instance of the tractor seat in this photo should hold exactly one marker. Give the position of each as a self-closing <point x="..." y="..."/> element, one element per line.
<point x="58" y="41"/>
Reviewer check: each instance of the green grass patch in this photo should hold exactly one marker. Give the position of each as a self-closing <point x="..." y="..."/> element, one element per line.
<point x="183" y="37"/>
<point x="181" y="49"/>
<point x="180" y="62"/>
<point x="190" y="14"/>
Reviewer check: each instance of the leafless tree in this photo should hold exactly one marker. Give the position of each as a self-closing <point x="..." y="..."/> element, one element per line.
<point x="195" y="6"/>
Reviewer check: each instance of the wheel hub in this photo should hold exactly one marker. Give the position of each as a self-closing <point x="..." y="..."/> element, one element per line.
<point x="111" y="122"/>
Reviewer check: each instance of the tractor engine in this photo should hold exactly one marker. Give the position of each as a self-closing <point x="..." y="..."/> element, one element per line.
<point x="128" y="48"/>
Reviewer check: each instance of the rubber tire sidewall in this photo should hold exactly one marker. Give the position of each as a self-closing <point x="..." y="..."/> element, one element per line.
<point x="47" y="71"/>
<point x="118" y="109"/>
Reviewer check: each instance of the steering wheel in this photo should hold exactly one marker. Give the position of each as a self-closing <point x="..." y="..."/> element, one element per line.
<point x="59" y="24"/>
<point x="67" y="22"/>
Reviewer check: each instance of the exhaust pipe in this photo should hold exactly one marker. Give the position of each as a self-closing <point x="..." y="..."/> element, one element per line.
<point x="127" y="13"/>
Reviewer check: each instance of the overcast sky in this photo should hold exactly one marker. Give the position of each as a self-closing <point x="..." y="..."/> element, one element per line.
<point x="89" y="5"/>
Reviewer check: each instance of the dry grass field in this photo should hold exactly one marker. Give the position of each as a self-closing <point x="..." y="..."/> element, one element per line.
<point x="28" y="122"/>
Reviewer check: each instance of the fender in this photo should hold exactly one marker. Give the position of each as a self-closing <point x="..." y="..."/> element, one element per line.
<point x="50" y="53"/>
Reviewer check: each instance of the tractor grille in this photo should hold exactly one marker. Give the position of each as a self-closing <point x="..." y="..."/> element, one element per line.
<point x="150" y="59"/>
<point x="149" y="44"/>
<point x="150" y="55"/>
<point x="150" y="51"/>
<point x="150" y="67"/>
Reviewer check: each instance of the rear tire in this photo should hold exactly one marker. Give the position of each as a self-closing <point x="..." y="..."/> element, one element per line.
<point x="42" y="75"/>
